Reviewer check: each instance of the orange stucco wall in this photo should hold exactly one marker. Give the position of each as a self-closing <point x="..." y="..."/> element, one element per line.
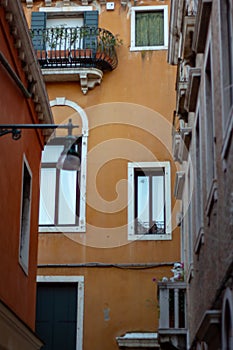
<point x="17" y="290"/>
<point x="130" y="119"/>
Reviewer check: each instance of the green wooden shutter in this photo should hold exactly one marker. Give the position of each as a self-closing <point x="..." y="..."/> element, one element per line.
<point x="56" y="315"/>
<point x="91" y="19"/>
<point x="149" y="28"/>
<point x="38" y="24"/>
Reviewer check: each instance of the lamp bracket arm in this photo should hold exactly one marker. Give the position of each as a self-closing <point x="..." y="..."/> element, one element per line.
<point x="16" y="133"/>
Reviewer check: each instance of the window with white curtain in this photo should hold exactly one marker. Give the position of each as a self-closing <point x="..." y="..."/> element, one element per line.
<point x="149" y="201"/>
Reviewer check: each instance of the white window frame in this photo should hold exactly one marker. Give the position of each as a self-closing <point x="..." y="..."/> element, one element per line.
<point x="190" y="219"/>
<point x="198" y="181"/>
<point x="24" y="237"/>
<point x="62" y="101"/>
<point x="227" y="115"/>
<point x="65" y="9"/>
<point x="131" y="200"/>
<point x="80" y="300"/>
<point x="211" y="174"/>
<point x="135" y="9"/>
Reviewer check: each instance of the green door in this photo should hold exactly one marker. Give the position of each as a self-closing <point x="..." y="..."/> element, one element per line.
<point x="56" y="315"/>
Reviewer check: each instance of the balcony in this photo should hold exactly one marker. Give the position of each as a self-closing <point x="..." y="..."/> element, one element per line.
<point x="172" y="323"/>
<point x="176" y="138"/>
<point x="189" y="22"/>
<point x="181" y="87"/>
<point x="179" y="184"/>
<point x="193" y="88"/>
<point x="191" y="7"/>
<point x="186" y="136"/>
<point x="175" y="30"/>
<point x="181" y="138"/>
<point x="201" y="25"/>
<point x="75" y="54"/>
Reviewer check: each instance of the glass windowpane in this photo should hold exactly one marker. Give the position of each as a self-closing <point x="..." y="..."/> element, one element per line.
<point x="143" y="205"/>
<point x="67" y="198"/>
<point x="158" y="200"/>
<point x="47" y="196"/>
<point x="51" y="153"/>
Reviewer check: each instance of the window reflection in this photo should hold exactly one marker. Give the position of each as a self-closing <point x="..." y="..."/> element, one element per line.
<point x="150" y="201"/>
<point x="67" y="198"/>
<point x="59" y="189"/>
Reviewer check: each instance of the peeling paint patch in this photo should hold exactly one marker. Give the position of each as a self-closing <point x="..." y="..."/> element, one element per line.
<point x="106" y="314"/>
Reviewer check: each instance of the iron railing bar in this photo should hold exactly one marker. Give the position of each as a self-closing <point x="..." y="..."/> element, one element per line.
<point x="75" y="52"/>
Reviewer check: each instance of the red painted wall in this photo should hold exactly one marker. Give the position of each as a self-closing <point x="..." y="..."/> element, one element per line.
<point x="17" y="290"/>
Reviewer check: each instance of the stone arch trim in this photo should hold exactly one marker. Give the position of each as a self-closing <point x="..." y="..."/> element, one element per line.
<point x="62" y="101"/>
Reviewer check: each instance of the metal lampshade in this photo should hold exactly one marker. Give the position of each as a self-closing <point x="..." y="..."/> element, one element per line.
<point x="69" y="158"/>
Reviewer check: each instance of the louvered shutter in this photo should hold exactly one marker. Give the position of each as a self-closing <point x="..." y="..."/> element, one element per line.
<point x="91" y="21"/>
<point x="38" y="24"/>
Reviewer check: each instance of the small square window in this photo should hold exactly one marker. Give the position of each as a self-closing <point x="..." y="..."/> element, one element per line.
<point x="149" y="208"/>
<point x="149" y="28"/>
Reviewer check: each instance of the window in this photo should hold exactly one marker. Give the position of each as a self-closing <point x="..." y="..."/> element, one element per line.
<point x="227" y="320"/>
<point x="210" y="134"/>
<point x="198" y="182"/>
<point x="65" y="27"/>
<point x="149" y="28"/>
<point x="59" y="311"/>
<point x="149" y="208"/>
<point x="59" y="189"/>
<point x="190" y="220"/>
<point x="227" y="56"/>
<point x="25" y="216"/>
<point x="75" y="182"/>
<point x="60" y="28"/>
<point x="226" y="11"/>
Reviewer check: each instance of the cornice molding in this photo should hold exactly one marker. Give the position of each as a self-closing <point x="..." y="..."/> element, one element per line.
<point x="20" y="33"/>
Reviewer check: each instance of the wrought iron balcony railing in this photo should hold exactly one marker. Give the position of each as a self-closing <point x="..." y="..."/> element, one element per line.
<point x="75" y="47"/>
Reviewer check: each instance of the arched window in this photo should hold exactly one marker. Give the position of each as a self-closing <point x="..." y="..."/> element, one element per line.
<point x="63" y="193"/>
<point x="227" y="320"/>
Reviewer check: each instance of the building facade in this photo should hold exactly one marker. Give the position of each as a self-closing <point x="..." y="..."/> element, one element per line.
<point x="202" y="48"/>
<point x="109" y="231"/>
<point x="23" y="100"/>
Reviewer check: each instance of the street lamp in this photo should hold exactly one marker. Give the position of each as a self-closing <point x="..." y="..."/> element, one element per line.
<point x="69" y="158"/>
